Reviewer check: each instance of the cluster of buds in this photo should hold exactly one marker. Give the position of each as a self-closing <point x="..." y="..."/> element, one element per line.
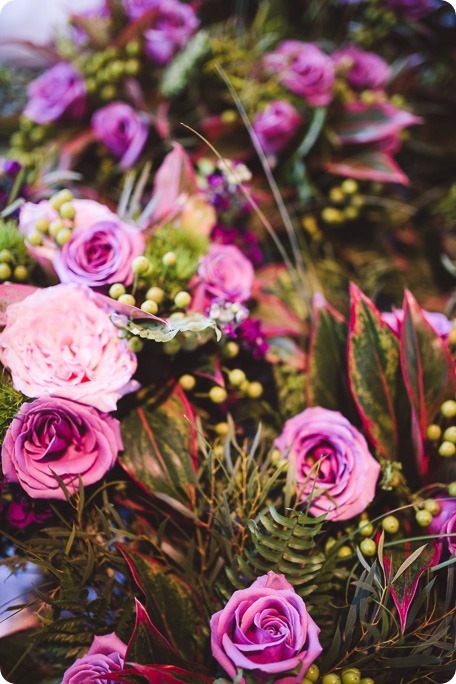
<point x="443" y="434"/>
<point x="59" y="230"/>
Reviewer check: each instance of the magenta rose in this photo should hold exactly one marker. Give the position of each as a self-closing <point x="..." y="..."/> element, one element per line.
<point x="60" y="341"/>
<point x="123" y="130"/>
<point x="438" y="321"/>
<point x="265" y="630"/>
<point x="55" y="435"/>
<point x="226" y="273"/>
<point x="99" y="255"/>
<point x="444" y="523"/>
<point x="59" y="92"/>
<point x="276" y="125"/>
<point x="304" y="69"/>
<point x="363" y="70"/>
<point x="333" y="464"/>
<point x="172" y="26"/>
<point x="105" y="656"/>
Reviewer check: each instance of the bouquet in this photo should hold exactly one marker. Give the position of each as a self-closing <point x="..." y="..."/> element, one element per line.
<point x="221" y="460"/>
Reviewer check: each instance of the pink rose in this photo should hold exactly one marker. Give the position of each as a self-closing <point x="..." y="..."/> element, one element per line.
<point x="265" y="630"/>
<point x="346" y="472"/>
<point x="105" y="656"/>
<point x="226" y="273"/>
<point x="59" y="92"/>
<point x="304" y="69"/>
<point x="444" y="523"/>
<point x="123" y="130"/>
<point x="55" y="435"/>
<point x="276" y="125"/>
<point x="60" y="341"/>
<point x="172" y="26"/>
<point x="363" y="69"/>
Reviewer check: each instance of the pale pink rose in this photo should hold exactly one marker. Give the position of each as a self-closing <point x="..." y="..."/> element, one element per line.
<point x="105" y="656"/>
<point x="347" y="473"/>
<point x="60" y="341"/>
<point x="226" y="273"/>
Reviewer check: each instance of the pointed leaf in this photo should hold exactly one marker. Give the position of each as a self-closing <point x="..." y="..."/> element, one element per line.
<point x="159" y="442"/>
<point x="169" y="602"/>
<point x="147" y="645"/>
<point x="374" y="372"/>
<point x="166" y="674"/>
<point x="405" y="565"/>
<point x="365" y="123"/>
<point x="368" y="164"/>
<point x="427" y="365"/>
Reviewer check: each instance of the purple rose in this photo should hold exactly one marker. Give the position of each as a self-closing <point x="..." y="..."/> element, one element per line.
<point x="106" y="655"/>
<point x="438" y="321"/>
<point x="226" y="273"/>
<point x="134" y="9"/>
<point x="99" y="255"/>
<point x="304" y="69"/>
<point x="122" y="130"/>
<point x="59" y="92"/>
<point x="266" y="630"/>
<point x="444" y="523"/>
<point x="362" y="69"/>
<point x="331" y="457"/>
<point x="412" y="9"/>
<point x="276" y="125"/>
<point x="172" y="26"/>
<point x="55" y="435"/>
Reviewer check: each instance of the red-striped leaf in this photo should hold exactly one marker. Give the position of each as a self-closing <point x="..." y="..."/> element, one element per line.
<point x="368" y="164"/>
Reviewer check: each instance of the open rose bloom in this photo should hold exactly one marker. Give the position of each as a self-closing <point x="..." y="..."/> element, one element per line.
<point x="105" y="656"/>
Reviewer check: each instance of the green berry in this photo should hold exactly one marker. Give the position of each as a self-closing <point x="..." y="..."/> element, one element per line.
<point x="390" y="524"/>
<point x="366" y="529"/>
<point x="452" y="489"/>
<point x="67" y="211"/>
<point x="155" y="294"/>
<point x="35" y="239"/>
<point x="351" y="669"/>
<point x="368" y="547"/>
<point x="367" y="680"/>
<point x="231" y="350"/>
<point x="254" y="390"/>
<point x="350" y="677"/>
<point x="182" y="299"/>
<point x="135" y="344"/>
<point x="5" y="256"/>
<point x="447" y="449"/>
<point x="450" y="434"/>
<point x="42" y="225"/>
<point x="172" y="347"/>
<point x="63" y="236"/>
<point x="187" y="382"/>
<point x="132" y="67"/>
<point x="423" y="518"/>
<point x="349" y="186"/>
<point x="55" y="227"/>
<point x="133" y="48"/>
<point x="344" y="552"/>
<point x="313" y="673"/>
<point x="331" y="679"/>
<point x="116" y="290"/>
<point x="217" y="394"/>
<point x="169" y="259"/>
<point x="433" y="432"/>
<point x="20" y="273"/>
<point x="91" y="85"/>
<point x="433" y="506"/>
<point x="56" y="201"/>
<point x="127" y="299"/>
<point x="236" y="377"/>
<point x="108" y="92"/>
<point x="448" y="408"/>
<point x="140" y="265"/>
<point x="5" y="271"/>
<point x="306" y="680"/>
<point x="149" y="306"/>
<point x="222" y="429"/>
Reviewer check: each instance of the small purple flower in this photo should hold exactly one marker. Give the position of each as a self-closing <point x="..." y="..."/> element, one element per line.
<point x="362" y="69"/>
<point x="251" y="336"/>
<point x="55" y="435"/>
<point x="122" y="130"/>
<point x="304" y="69"/>
<point x="444" y="523"/>
<point x="276" y="125"/>
<point x="266" y="631"/>
<point x="172" y="26"/>
<point x="21" y="513"/>
<point x="59" y="92"/>
<point x="105" y="656"/>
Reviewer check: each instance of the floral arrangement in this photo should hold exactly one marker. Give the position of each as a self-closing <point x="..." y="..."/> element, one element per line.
<point x="221" y="461"/>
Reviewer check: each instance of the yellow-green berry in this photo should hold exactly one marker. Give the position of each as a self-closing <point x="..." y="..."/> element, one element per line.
<point x="108" y="92"/>
<point x="132" y="67"/>
<point x="63" y="236"/>
<point x="187" y="382"/>
<point x="20" y="273"/>
<point x="331" y="678"/>
<point x="42" y="225"/>
<point x="172" y="347"/>
<point x="135" y="344"/>
<point x="57" y="200"/>
<point x="149" y="306"/>
<point x="67" y="211"/>
<point x="367" y="680"/>
<point x="169" y="259"/>
<point x="448" y="408"/>
<point x="450" y="434"/>
<point x="351" y="677"/>
<point x="155" y="294"/>
<point x="366" y="529"/>
<point x="306" y="680"/>
<point x="433" y="432"/>
<point x="452" y="489"/>
<point x="236" y="377"/>
<point x="5" y="256"/>
<point x="55" y="227"/>
<point x="35" y="239"/>
<point x="332" y="215"/>
<point x="217" y="394"/>
<point x="423" y="518"/>
<point x="182" y="299"/>
<point x="5" y="271"/>
<point x="337" y="195"/>
<point x="368" y="547"/>
<point x="127" y="299"/>
<point x="116" y="290"/>
<point x="222" y="429"/>
<point x="390" y="524"/>
<point x="231" y="349"/>
<point x="344" y="552"/>
<point x="433" y="506"/>
<point x="133" y="48"/>
<point x="313" y="673"/>
<point x="349" y="186"/>
<point x="447" y="449"/>
<point x="254" y="390"/>
<point x="140" y="265"/>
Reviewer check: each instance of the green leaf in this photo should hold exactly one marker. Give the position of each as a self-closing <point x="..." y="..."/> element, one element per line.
<point x="169" y="602"/>
<point x="158" y="331"/>
<point x="159" y="442"/>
